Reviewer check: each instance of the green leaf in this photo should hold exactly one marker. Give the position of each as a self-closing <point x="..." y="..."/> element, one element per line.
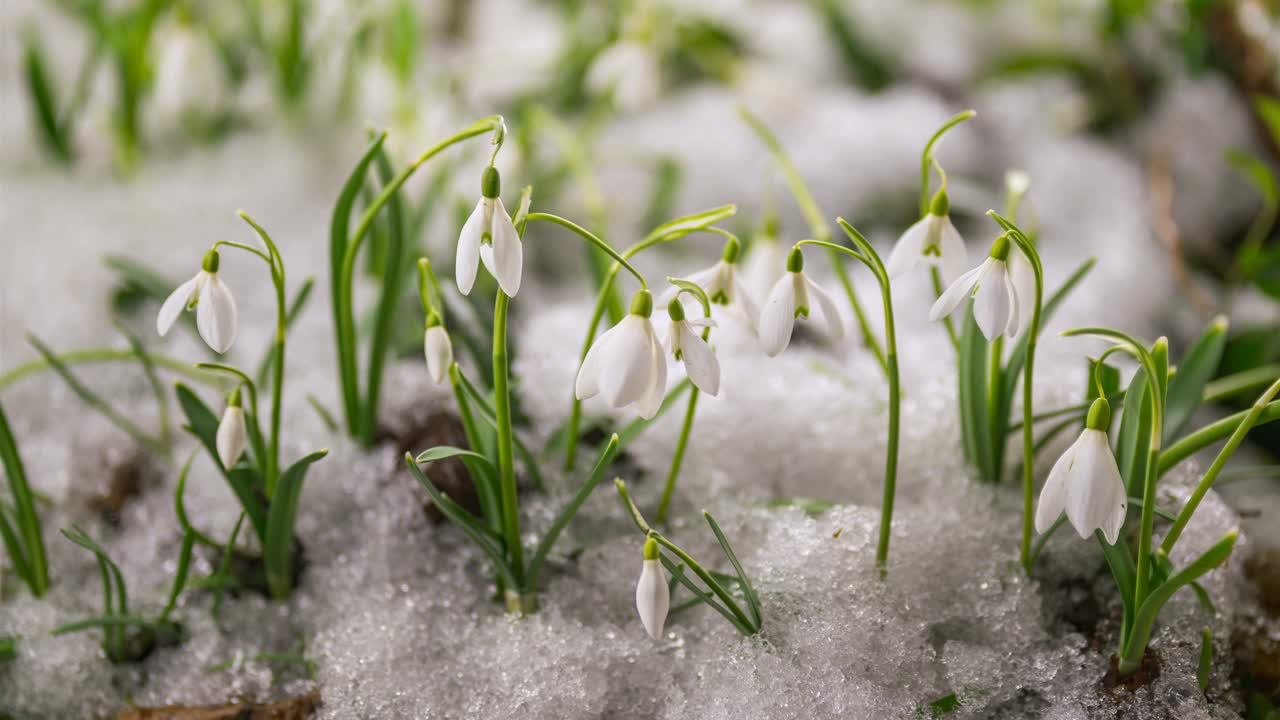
<point x="1268" y="109"/>
<point x="277" y="550"/>
<point x="682" y="226"/>
<point x="8" y="648"/>
<point x="1186" y="387"/>
<point x="1205" y="666"/>
<point x="40" y="87"/>
<point x="1135" y="433"/>
<point x="30" y="550"/>
<point x="469" y="524"/>
<point x="138" y="283"/>
<point x="339" y="236"/>
<point x="245" y="482"/>
<point x="607" y="456"/>
<point x="973" y="395"/>
<point x="753" y="601"/>
<point x="392" y="281"/>
<point x="440" y="452"/>
<point x="1257" y="172"/>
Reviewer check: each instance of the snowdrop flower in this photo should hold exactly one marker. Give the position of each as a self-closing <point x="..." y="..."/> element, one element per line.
<point x="996" y="300"/>
<point x="232" y="436"/>
<point x="1086" y="483"/>
<point x="189" y="74"/>
<point x="490" y="236"/>
<point x="630" y="70"/>
<point x="721" y="283"/>
<point x="789" y="300"/>
<point x="439" y="351"/>
<point x="684" y="342"/>
<point x="626" y="364"/>
<point x="215" y="307"/>
<point x="653" y="597"/>
<point x="932" y="240"/>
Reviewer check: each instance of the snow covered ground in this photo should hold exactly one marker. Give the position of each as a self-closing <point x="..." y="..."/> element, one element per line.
<point x="394" y="612"/>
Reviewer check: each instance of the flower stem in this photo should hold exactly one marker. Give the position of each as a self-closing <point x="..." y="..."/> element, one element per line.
<point x="1237" y="437"/>
<point x="867" y="255"/>
<point x="660" y="517"/>
<point x="502" y="412"/>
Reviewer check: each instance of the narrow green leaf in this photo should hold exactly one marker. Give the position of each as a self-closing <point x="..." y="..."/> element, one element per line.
<point x="277" y="551"/>
<point x="339" y="236"/>
<point x="570" y="509"/>
<point x="682" y="226"/>
<point x="1205" y="666"/>
<point x="1186" y="387"/>
<point x="973" y="377"/>
<point x="471" y="526"/>
<point x="440" y="452"/>
<point x="753" y="601"/>
<point x="1256" y="172"/>
<point x="1135" y="433"/>
<point x="43" y="100"/>
<point x="25" y="518"/>
<point x="397" y="263"/>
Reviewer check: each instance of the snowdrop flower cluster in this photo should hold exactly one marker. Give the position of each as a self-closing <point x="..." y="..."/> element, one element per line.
<point x="789" y="300"/>
<point x="995" y="295"/>
<point x="489" y="236"/>
<point x="627" y="364"/>
<point x="209" y="297"/>
<point x="1085" y="482"/>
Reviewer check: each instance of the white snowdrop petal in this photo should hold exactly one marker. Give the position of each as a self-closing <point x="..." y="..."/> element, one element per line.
<point x="173" y="305"/>
<point x="827" y="307"/>
<point x="507" y="261"/>
<point x="651" y="402"/>
<point x="955" y="294"/>
<point x="778" y="316"/>
<point x="1096" y="498"/>
<point x="653" y="598"/>
<point x="1024" y="284"/>
<point x="587" y="384"/>
<point x="1015" y="307"/>
<point x="1053" y="496"/>
<point x="232" y="436"/>
<point x="216" y="314"/>
<point x="626" y="365"/>
<point x="700" y="362"/>
<point x="467" y="261"/>
<point x="438" y="349"/>
<point x="991" y="303"/>
<point x="908" y="252"/>
<point x="751" y="313"/>
<point x="955" y="257"/>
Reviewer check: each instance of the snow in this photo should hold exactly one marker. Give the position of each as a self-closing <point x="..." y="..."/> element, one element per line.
<point x="394" y="612"/>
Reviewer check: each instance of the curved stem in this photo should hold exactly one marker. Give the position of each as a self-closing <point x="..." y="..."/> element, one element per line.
<point x="344" y="310"/>
<point x="104" y="355"/>
<point x="869" y="258"/>
<point x="277" y="370"/>
<point x="592" y="239"/>
<point x="1212" y="433"/>
<point x="926" y="157"/>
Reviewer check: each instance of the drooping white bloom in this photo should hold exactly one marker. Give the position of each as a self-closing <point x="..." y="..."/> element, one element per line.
<point x="190" y="77"/>
<point x="491" y="237"/>
<point x="996" y="303"/>
<point x="232" y="435"/>
<point x="932" y="240"/>
<point x="789" y="300"/>
<point x="653" y="597"/>
<point x="1086" y="483"/>
<point x="438" y="349"/>
<point x="627" y="364"/>
<point x="214" y="305"/>
<point x="685" y="343"/>
<point x="1024" y="286"/>
<point x="629" y="69"/>
<point x="723" y="287"/>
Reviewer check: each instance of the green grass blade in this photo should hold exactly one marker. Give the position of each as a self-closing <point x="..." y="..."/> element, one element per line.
<point x="753" y="600"/>
<point x="1186" y="387"/>
<point x="25" y="517"/>
<point x="607" y="456"/>
<point x="277" y="552"/>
